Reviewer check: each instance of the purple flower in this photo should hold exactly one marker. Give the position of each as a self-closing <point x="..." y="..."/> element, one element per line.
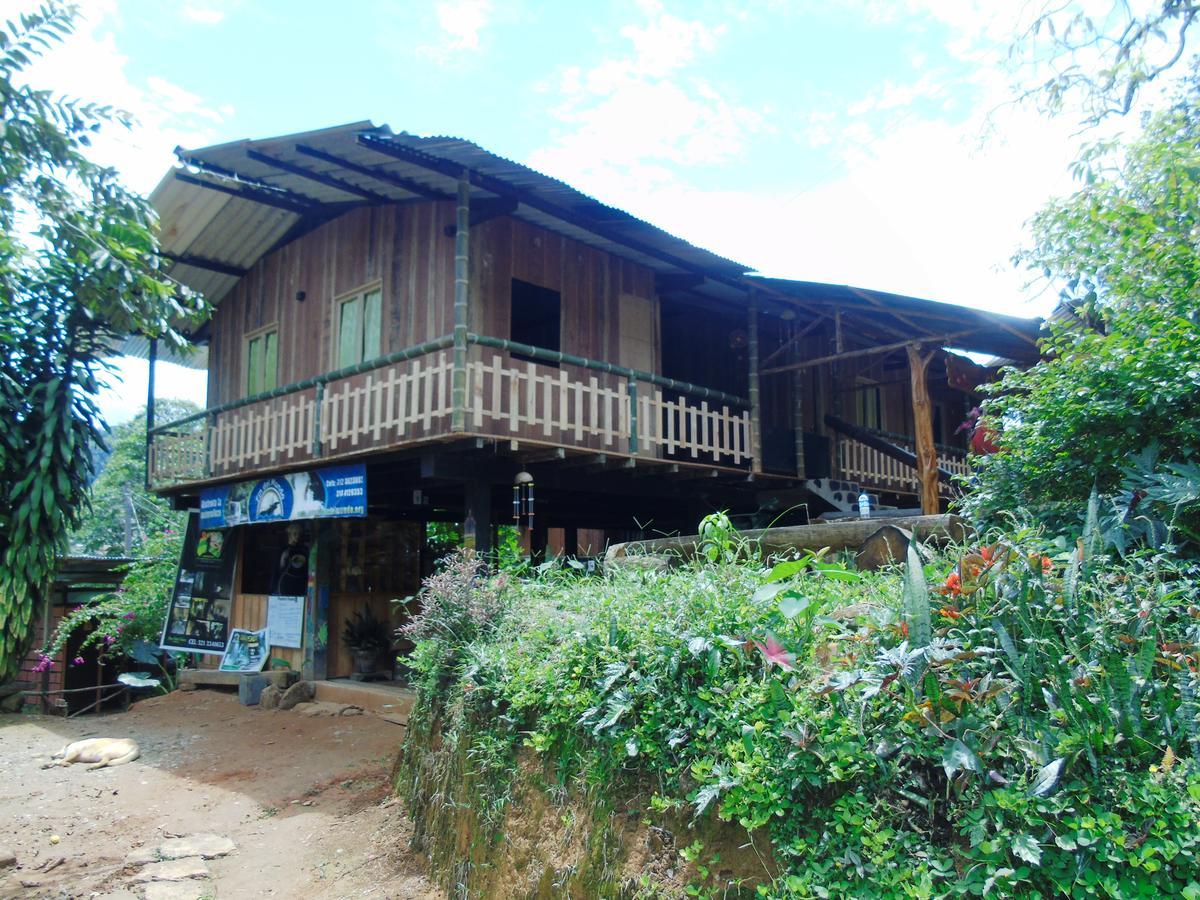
<point x="78" y="661"/>
<point x="109" y="639"/>
<point x="129" y="615"/>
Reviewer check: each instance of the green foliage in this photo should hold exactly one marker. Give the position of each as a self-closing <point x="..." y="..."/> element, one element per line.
<point x="78" y="268"/>
<point x="1124" y="368"/>
<point x="365" y="632"/>
<point x="1028" y="728"/>
<point x="102" y="527"/>
<point x="136" y="611"/>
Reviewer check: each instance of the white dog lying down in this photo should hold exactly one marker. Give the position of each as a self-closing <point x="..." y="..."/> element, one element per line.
<point x="100" y="752"/>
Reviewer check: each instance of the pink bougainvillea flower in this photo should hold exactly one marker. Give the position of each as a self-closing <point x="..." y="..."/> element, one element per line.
<point x="129" y="615"/>
<point x="109" y="639"/>
<point x="78" y="661"/>
<point x="775" y="654"/>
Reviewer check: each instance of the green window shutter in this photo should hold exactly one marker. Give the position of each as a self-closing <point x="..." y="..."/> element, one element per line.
<point x="350" y="333"/>
<point x="253" y="365"/>
<point x="270" y="373"/>
<point x="372" y="345"/>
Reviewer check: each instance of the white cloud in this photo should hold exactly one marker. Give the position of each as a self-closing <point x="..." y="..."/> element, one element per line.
<point x="461" y="23"/>
<point x="125" y="388"/>
<point x="203" y="15"/>
<point x="635" y="116"/>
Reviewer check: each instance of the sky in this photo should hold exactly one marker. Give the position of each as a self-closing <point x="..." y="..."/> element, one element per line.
<point x="863" y="142"/>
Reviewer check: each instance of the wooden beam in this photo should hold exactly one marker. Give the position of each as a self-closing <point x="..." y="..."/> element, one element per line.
<point x="200" y="262"/>
<point x="484" y="211"/>
<point x="869" y="351"/>
<point x="927" y="467"/>
<point x="282" y="201"/>
<point x="667" y="282"/>
<point x="388" y="178"/>
<point x="795" y="339"/>
<point x="319" y="177"/>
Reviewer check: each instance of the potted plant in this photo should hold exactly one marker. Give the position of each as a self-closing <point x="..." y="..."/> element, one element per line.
<point x="367" y="637"/>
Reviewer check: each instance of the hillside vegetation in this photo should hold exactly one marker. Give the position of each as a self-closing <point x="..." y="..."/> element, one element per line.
<point x="1004" y="720"/>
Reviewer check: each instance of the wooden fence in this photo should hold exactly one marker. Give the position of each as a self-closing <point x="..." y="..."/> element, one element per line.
<point x="871" y="468"/>
<point x="410" y="400"/>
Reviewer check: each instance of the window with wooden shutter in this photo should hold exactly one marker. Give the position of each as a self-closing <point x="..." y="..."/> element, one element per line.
<point x="360" y="328"/>
<point x="262" y="362"/>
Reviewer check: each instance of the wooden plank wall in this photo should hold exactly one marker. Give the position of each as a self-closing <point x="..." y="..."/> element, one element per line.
<point x="402" y="247"/>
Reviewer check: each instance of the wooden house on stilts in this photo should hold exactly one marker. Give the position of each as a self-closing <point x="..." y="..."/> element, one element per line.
<point x="438" y="320"/>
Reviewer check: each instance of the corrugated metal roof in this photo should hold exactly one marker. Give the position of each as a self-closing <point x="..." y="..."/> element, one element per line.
<point x="291" y="183"/>
<point x="1010" y="337"/>
<point x="138" y="347"/>
<point x="206" y="225"/>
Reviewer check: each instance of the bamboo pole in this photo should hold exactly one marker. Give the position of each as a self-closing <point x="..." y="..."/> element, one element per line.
<point x="458" y="378"/>
<point x="755" y="404"/>
<point x="927" y="464"/>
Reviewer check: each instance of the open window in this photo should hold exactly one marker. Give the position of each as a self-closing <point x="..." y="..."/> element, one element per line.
<point x="536" y="316"/>
<point x="868" y="405"/>
<point x="262" y="362"/>
<point x="360" y="327"/>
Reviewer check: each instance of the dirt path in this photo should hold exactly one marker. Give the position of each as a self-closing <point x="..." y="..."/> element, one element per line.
<point x="303" y="799"/>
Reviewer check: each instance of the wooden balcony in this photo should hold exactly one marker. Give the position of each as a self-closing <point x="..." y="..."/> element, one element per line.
<point x="408" y="398"/>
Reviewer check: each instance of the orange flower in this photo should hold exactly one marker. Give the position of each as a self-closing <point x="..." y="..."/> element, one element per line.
<point x="950" y="612"/>
<point x="952" y="586"/>
<point x="1046" y="565"/>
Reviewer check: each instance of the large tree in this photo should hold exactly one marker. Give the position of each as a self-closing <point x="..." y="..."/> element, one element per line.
<point x="1122" y="363"/>
<point x="78" y="268"/>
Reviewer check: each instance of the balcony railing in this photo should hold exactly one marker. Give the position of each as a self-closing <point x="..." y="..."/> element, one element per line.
<point x="407" y="397"/>
<point x="874" y="469"/>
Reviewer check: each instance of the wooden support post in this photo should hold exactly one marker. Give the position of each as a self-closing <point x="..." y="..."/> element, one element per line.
<point x="755" y="403"/>
<point x="839" y="347"/>
<point x="478" y="506"/>
<point x="798" y="420"/>
<point x="458" y="381"/>
<point x="927" y="463"/>
<point x="538" y="538"/>
<point x="316" y="614"/>
<point x="152" y="358"/>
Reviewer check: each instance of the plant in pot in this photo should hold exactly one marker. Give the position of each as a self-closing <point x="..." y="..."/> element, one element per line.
<point x="367" y="637"/>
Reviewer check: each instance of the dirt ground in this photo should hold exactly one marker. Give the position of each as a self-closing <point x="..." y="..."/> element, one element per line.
<point x="305" y="800"/>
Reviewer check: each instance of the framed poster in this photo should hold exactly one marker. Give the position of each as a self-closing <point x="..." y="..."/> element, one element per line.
<point x="285" y="621"/>
<point x="332" y="492"/>
<point x="198" y="617"/>
<point x="247" y="651"/>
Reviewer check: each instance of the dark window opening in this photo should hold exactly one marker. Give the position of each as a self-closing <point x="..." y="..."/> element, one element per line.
<point x="536" y="317"/>
<point x="275" y="558"/>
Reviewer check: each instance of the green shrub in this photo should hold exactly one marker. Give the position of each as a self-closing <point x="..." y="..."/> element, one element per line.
<point x="1027" y="727"/>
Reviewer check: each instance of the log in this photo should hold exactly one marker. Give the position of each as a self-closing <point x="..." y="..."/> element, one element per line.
<point x="886" y="547"/>
<point x="850" y="534"/>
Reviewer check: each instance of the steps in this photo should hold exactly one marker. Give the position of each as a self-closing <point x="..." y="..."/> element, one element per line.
<point x="387" y="700"/>
<point x="843" y="495"/>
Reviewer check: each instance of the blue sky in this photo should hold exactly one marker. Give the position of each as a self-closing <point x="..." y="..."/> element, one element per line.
<point x="841" y="142"/>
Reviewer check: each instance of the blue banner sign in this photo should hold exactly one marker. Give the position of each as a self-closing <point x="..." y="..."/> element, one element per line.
<point x="333" y="492"/>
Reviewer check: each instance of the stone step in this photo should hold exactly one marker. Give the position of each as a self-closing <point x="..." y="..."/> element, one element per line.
<point x="391" y="701"/>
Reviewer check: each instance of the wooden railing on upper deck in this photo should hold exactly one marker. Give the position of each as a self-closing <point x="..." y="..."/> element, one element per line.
<point x="406" y="397"/>
<point x="874" y="469"/>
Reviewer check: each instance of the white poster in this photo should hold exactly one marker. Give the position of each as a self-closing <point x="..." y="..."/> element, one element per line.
<point x="285" y="621"/>
<point x="247" y="651"/>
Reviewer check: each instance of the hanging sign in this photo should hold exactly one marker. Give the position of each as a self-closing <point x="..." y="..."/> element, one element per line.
<point x="285" y="621"/>
<point x="198" y="617"/>
<point x="247" y="651"/>
<point x="333" y="492"/>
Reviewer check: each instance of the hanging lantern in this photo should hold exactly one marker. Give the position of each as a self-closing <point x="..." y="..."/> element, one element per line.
<point x="523" y="499"/>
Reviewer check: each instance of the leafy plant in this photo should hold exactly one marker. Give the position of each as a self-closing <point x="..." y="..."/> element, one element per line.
<point x="365" y="632"/>
<point x="78" y="269"/>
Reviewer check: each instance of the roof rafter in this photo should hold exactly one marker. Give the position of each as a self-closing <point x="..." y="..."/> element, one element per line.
<point x="320" y="177"/>
<point x="389" y="178"/>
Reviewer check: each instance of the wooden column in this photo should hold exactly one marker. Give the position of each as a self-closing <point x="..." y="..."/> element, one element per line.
<point x="927" y="463"/>
<point x="478" y="497"/>
<point x="315" y="666"/>
<point x="152" y="360"/>
<point x="798" y="419"/>
<point x="458" y="378"/>
<point x="755" y="402"/>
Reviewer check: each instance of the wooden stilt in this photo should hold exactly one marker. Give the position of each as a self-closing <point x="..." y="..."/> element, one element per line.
<point x="927" y="464"/>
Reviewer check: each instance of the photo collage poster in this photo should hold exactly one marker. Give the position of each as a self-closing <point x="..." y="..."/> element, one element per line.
<point x="198" y="617"/>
